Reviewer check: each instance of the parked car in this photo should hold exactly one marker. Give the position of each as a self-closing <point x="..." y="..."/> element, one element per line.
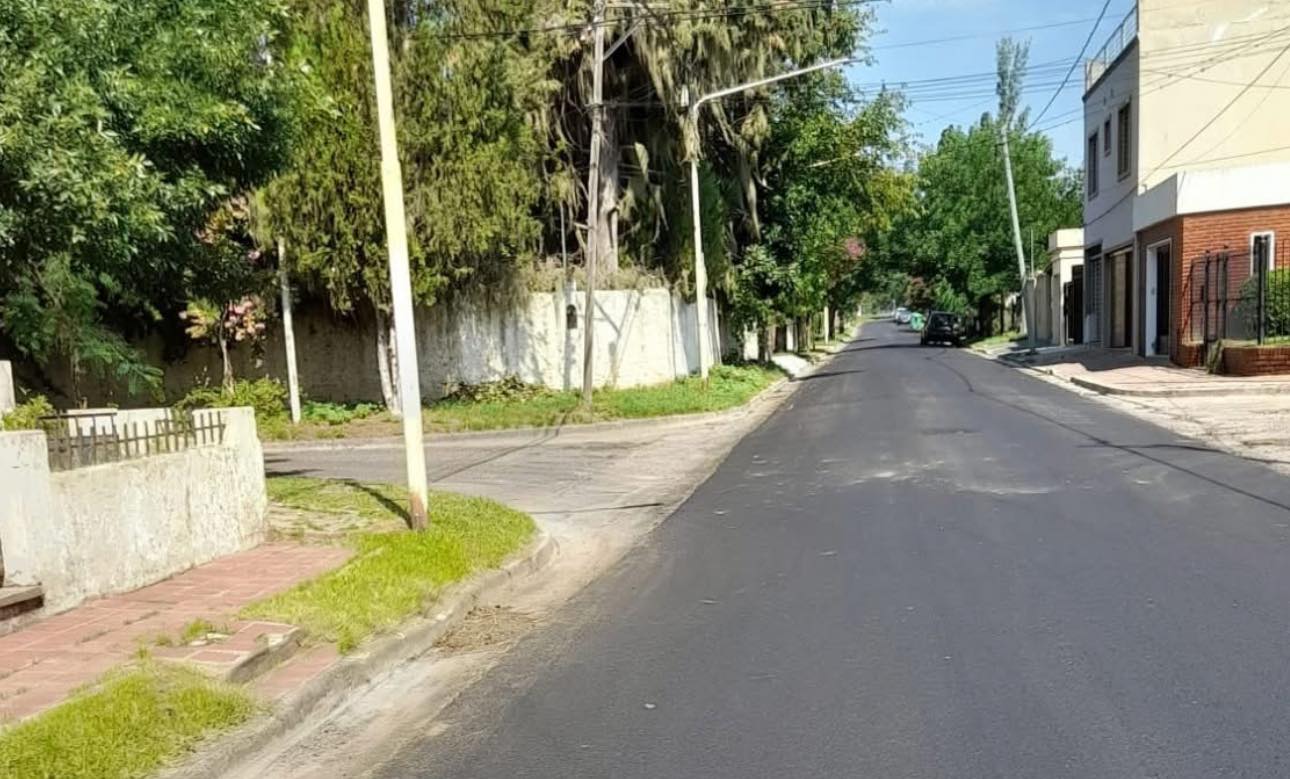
<point x="902" y="316"/>
<point x="943" y="327"/>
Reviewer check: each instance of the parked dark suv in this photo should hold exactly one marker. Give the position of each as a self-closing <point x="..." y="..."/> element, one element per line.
<point x="943" y="327"/>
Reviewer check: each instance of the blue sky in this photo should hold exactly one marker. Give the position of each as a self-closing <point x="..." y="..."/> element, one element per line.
<point x="901" y="22"/>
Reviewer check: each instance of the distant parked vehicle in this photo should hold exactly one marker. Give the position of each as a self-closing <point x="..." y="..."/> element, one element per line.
<point x="902" y="316"/>
<point x="943" y="327"/>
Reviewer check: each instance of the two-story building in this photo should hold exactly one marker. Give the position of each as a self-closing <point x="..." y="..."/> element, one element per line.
<point x="1186" y="162"/>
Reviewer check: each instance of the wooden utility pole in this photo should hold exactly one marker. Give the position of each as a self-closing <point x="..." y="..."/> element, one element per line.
<point x="593" y="203"/>
<point x="396" y="237"/>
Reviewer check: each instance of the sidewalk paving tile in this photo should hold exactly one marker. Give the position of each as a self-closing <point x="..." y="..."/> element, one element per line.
<point x="1128" y="374"/>
<point x="44" y="662"/>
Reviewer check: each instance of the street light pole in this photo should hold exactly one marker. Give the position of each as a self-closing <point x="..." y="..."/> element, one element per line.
<point x="700" y="269"/>
<point x="396" y="237"/>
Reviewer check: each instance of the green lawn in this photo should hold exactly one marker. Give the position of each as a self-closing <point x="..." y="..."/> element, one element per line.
<point x="393" y="575"/>
<point x="728" y="386"/>
<point x="129" y="726"/>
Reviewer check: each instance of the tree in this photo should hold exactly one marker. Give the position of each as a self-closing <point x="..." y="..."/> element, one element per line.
<point x="690" y="47"/>
<point x="123" y="126"/>
<point x="473" y="133"/>
<point x="832" y="188"/>
<point x="958" y="231"/>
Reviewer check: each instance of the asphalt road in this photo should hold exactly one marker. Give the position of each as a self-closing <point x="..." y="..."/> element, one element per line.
<point x="924" y="565"/>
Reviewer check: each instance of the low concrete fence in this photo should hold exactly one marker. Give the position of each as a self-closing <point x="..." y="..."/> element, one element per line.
<point x="109" y="528"/>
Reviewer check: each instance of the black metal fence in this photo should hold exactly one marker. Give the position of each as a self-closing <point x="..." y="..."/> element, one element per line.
<point x="80" y="439"/>
<point x="1240" y="296"/>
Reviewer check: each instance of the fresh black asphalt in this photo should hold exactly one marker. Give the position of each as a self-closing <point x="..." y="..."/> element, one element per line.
<point x="926" y="564"/>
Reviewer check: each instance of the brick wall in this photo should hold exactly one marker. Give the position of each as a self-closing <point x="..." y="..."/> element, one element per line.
<point x="1193" y="235"/>
<point x="1232" y="229"/>
<point x="1256" y="360"/>
<point x="1188" y="355"/>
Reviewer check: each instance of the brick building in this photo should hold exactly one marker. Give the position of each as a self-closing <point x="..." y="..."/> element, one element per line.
<point x="1187" y="173"/>
<point x="1203" y="237"/>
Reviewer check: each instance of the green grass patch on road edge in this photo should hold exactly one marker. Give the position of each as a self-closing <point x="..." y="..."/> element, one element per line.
<point x="133" y="723"/>
<point x="728" y="386"/>
<point x="393" y="575"/>
<point x="996" y="340"/>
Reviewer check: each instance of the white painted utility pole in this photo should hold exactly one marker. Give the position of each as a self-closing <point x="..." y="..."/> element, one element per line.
<point x="1027" y="313"/>
<point x="288" y="333"/>
<point x="593" y="204"/>
<point x="396" y="237"/>
<point x="700" y="268"/>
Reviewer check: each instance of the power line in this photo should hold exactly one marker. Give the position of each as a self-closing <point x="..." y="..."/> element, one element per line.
<point x="1225" y="158"/>
<point x="970" y="36"/>
<point x="1172" y="77"/>
<point x="1221" y="111"/>
<point x="1092" y="31"/>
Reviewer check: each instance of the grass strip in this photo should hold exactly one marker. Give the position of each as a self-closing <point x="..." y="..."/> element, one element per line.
<point x="393" y="575"/>
<point x="131" y="724"/>
<point x="728" y="386"/>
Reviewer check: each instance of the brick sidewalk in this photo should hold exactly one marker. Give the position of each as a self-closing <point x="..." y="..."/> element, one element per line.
<point x="41" y="664"/>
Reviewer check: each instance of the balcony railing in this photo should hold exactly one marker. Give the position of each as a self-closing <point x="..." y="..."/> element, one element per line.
<point x="1120" y="39"/>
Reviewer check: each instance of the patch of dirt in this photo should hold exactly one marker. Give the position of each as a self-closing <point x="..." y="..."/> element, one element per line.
<point x="292" y="524"/>
<point x="486" y="626"/>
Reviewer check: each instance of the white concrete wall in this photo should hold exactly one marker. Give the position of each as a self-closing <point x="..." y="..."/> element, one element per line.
<point x="1108" y="214"/>
<point x="8" y="395"/>
<point x="1196" y="58"/>
<point x="1213" y="189"/>
<point x="645" y="336"/>
<point x="1065" y="253"/>
<point x="642" y="337"/>
<point x="119" y="526"/>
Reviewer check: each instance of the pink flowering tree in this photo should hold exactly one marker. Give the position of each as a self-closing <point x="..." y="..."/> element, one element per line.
<point x="232" y="313"/>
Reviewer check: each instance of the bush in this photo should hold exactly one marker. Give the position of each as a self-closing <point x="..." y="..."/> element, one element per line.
<point x="267" y="396"/>
<point x="27" y="414"/>
<point x="337" y="413"/>
<point x="1276" y="304"/>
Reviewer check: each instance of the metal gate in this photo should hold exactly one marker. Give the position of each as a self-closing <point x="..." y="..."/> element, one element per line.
<point x="1208" y="281"/>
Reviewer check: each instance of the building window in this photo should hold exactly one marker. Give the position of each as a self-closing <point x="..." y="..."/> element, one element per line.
<point x="1262" y="251"/>
<point x="1122" y="120"/>
<point x="1106" y="137"/>
<point x="1090" y="166"/>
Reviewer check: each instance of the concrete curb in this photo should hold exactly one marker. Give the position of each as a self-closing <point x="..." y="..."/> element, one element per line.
<point x="332" y="688"/>
<point x="392" y="442"/>
<point x="329" y="444"/>
<point x="1181" y="392"/>
<point x="1157" y="392"/>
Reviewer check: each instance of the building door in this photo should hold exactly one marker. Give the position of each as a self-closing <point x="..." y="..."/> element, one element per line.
<point x="1075" y="306"/>
<point x="1163" y="292"/>
<point x="1093" y="300"/>
<point x="1156" y="310"/>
